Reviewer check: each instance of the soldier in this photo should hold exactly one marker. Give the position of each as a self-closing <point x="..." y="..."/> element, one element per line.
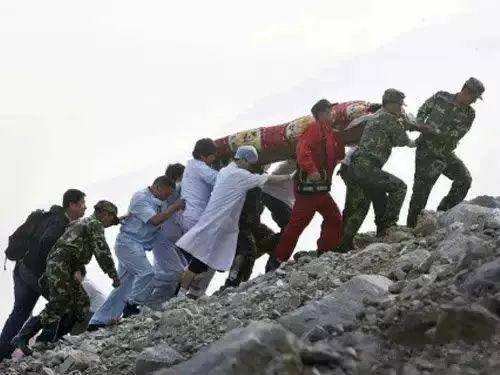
<point x="65" y="270"/>
<point x="452" y="116"/>
<point x="383" y="131"/>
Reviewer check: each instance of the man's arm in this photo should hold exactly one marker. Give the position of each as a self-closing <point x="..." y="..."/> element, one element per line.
<point x="305" y="159"/>
<point x="163" y="216"/>
<point x="425" y="109"/>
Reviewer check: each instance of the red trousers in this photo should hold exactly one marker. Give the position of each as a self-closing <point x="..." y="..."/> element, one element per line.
<point x="302" y="213"/>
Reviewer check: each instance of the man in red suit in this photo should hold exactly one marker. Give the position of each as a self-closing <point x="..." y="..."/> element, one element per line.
<point x="319" y="149"/>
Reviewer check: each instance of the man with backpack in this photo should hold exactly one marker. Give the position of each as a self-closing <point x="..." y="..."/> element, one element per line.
<point x="29" y="247"/>
<point x="64" y="274"/>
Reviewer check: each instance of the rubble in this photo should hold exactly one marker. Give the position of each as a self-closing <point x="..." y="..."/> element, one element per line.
<point x="418" y="302"/>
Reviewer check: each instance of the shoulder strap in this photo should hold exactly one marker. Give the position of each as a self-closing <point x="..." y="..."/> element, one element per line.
<point x="324" y="154"/>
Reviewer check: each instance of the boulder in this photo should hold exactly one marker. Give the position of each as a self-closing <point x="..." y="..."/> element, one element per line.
<point x="339" y="307"/>
<point x="374" y="254"/>
<point x="486" y="201"/>
<point x="468" y="214"/>
<point x="427" y="223"/>
<point x="158" y="357"/>
<point x="470" y="323"/>
<point x="456" y="245"/>
<point x="259" y="348"/>
<point x="484" y="280"/>
<point x="411" y="260"/>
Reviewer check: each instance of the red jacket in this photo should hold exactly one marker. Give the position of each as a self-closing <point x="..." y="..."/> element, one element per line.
<point x="310" y="149"/>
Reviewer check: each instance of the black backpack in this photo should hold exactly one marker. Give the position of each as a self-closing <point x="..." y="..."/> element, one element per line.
<point x="25" y="238"/>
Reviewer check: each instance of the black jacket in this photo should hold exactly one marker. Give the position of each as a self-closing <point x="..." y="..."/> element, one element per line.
<point x="48" y="233"/>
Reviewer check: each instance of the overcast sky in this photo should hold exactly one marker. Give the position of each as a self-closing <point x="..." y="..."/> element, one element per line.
<point x="102" y="95"/>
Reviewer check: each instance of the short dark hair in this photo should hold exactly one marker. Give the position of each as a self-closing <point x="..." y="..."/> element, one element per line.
<point x="204" y="147"/>
<point x="174" y="171"/>
<point x="164" y="181"/>
<point x="321" y="106"/>
<point x="72" y="196"/>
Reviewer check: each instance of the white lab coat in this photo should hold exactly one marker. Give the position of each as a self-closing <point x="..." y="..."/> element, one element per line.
<point x="197" y="183"/>
<point x="213" y="239"/>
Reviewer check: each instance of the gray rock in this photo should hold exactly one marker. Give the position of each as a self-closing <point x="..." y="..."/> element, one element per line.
<point x="319" y="357"/>
<point x="456" y="245"/>
<point x="251" y="350"/>
<point x="484" y="280"/>
<point x="470" y="323"/>
<point x="158" y="357"/>
<point x="339" y="307"/>
<point x="427" y="223"/>
<point x="468" y="214"/>
<point x="298" y="279"/>
<point x="486" y="201"/>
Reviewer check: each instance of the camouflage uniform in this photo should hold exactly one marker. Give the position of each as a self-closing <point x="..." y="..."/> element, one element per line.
<point x="382" y="132"/>
<point x="435" y="153"/>
<point x="83" y="239"/>
<point x="357" y="204"/>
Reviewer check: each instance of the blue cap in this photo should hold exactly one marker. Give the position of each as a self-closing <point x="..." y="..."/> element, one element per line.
<point x="248" y="153"/>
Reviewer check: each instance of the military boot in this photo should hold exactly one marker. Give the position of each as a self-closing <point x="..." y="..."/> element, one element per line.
<point x="49" y="333"/>
<point x="29" y="330"/>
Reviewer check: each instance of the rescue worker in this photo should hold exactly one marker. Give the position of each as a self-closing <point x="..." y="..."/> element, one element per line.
<point x="319" y="149"/>
<point x="211" y="243"/>
<point x="137" y="235"/>
<point x="65" y="271"/>
<point x="383" y="131"/>
<point x="169" y="263"/>
<point x="31" y="267"/>
<point x="196" y="186"/>
<point x="452" y="115"/>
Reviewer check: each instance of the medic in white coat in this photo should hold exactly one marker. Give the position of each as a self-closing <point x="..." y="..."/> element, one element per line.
<point x="212" y="241"/>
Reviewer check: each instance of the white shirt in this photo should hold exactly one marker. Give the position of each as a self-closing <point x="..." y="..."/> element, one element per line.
<point x="196" y="186"/>
<point x="283" y="191"/>
<point x="213" y="239"/>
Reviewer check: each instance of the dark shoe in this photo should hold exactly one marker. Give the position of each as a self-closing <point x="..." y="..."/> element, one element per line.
<point x="130" y="309"/>
<point x="29" y="330"/>
<point x="192" y="296"/>
<point x="312" y="254"/>
<point x="95" y="326"/>
<point x="49" y="333"/>
<point x="6" y="351"/>
<point x="272" y="264"/>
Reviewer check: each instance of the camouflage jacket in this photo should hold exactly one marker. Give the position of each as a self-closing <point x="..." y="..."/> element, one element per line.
<point x="382" y="132"/>
<point x="453" y="122"/>
<point x="82" y="239"/>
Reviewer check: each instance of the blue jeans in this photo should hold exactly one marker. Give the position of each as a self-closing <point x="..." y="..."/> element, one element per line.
<point x="136" y="277"/>
<point x="25" y="299"/>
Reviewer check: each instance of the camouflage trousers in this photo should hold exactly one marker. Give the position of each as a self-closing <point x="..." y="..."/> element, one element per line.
<point x="428" y="168"/>
<point x="66" y="295"/>
<point x="357" y="204"/>
<point x="389" y="190"/>
<point x="253" y="242"/>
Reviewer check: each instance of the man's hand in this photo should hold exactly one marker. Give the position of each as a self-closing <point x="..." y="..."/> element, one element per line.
<point x="314" y="177"/>
<point x="78" y="276"/>
<point x="116" y="282"/>
<point x="426" y="129"/>
<point x="179" y="204"/>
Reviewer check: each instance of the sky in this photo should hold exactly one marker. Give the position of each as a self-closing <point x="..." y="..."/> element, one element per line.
<point x="102" y="95"/>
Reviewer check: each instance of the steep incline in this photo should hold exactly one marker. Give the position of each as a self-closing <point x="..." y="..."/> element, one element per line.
<point x="419" y="302"/>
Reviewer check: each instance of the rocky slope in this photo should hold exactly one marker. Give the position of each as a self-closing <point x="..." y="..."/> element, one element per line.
<point x="419" y="302"/>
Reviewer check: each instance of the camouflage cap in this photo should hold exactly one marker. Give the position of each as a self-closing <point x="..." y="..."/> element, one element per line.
<point x="475" y="86"/>
<point x="393" y="96"/>
<point x="106" y="206"/>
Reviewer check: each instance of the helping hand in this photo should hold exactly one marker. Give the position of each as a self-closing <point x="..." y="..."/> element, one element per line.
<point x="116" y="282"/>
